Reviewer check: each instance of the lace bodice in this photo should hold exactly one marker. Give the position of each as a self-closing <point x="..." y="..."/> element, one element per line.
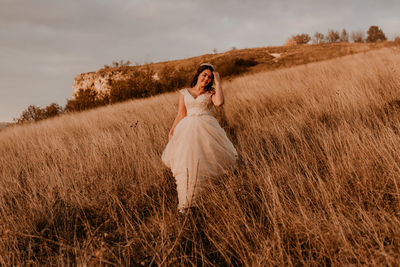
<point x="200" y="105"/>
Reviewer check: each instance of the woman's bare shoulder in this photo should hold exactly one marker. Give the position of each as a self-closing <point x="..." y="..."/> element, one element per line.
<point x="183" y="91"/>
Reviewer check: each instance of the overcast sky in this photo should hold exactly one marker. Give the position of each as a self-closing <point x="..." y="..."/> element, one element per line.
<point x="44" y="44"/>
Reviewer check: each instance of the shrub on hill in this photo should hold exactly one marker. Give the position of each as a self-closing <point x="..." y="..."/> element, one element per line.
<point x="332" y="36"/>
<point x="234" y="66"/>
<point x="35" y="113"/>
<point x="172" y="78"/>
<point x="140" y="84"/>
<point x="301" y="38"/>
<point x="358" y="36"/>
<point x="290" y="42"/>
<point x="318" y="38"/>
<point x="86" y="99"/>
<point x="344" y="36"/>
<point x="375" y="34"/>
<point x="32" y="113"/>
<point x="52" y="110"/>
<point x="116" y="64"/>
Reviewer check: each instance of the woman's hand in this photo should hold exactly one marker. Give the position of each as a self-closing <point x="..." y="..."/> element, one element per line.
<point x="217" y="79"/>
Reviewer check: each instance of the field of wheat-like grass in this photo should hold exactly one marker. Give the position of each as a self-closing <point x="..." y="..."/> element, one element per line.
<point x="317" y="181"/>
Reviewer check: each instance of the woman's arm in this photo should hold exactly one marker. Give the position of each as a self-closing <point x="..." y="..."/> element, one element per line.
<point x="218" y="97"/>
<point x="181" y="115"/>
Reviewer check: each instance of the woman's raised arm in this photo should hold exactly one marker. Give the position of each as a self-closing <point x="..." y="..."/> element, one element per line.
<point x="218" y="97"/>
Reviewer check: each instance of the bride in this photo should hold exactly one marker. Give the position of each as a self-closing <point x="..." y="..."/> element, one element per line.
<point x="198" y="147"/>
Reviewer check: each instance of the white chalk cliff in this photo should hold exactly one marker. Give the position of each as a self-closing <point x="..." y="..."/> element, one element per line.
<point x="100" y="80"/>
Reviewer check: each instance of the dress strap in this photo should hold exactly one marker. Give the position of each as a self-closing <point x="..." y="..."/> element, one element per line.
<point x="183" y="91"/>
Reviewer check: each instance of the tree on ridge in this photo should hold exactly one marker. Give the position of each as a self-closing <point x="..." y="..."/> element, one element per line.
<point x="375" y="34"/>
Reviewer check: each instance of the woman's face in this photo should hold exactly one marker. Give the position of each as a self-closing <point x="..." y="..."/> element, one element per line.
<point x="204" y="78"/>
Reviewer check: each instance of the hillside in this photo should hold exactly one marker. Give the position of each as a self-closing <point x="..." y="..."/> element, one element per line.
<point x="4" y="124"/>
<point x="266" y="58"/>
<point x="317" y="182"/>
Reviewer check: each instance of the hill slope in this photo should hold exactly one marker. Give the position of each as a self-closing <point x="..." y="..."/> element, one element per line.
<point x="265" y="58"/>
<point x="3" y="124"/>
<point x="317" y="181"/>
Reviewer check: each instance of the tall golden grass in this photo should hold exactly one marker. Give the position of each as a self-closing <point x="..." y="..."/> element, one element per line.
<point x="317" y="182"/>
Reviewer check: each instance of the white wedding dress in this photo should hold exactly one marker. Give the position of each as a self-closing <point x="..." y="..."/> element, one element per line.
<point x="199" y="148"/>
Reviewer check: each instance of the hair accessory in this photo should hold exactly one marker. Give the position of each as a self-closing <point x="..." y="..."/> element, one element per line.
<point x="207" y="64"/>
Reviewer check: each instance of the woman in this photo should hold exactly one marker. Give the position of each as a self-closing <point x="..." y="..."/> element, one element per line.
<point x="198" y="147"/>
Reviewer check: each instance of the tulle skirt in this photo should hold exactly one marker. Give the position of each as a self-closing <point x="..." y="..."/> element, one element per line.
<point x="199" y="148"/>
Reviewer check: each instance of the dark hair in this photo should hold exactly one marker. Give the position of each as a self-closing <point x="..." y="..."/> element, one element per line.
<point x="196" y="76"/>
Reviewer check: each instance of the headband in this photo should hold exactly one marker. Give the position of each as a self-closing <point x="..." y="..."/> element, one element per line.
<point x="207" y="64"/>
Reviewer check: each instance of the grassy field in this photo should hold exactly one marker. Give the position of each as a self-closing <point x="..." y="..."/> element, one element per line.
<point x="317" y="182"/>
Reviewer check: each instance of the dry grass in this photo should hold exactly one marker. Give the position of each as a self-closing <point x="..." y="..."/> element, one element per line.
<point x="317" y="184"/>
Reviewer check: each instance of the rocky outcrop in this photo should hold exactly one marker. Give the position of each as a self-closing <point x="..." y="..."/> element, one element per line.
<point x="100" y="80"/>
